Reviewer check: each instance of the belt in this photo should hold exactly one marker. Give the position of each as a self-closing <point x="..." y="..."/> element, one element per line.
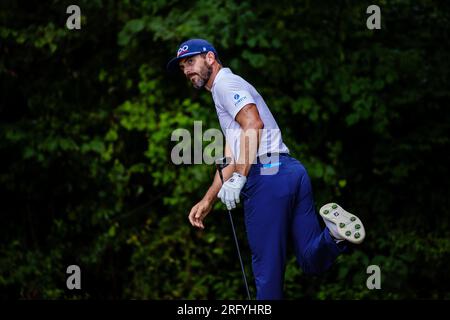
<point x="270" y="156"/>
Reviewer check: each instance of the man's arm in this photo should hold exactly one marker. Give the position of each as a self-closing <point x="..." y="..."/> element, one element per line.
<point x="202" y="208"/>
<point x="211" y="194"/>
<point x="251" y="123"/>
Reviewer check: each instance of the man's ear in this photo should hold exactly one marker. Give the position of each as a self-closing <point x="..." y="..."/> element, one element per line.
<point x="210" y="57"/>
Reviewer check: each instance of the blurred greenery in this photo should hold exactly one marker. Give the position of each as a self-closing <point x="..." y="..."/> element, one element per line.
<point x="86" y="118"/>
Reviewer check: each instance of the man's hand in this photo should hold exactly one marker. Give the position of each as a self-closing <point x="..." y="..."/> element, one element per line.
<point x="199" y="212"/>
<point x="231" y="189"/>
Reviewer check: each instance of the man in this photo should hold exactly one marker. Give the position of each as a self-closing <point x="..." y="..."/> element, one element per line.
<point x="278" y="201"/>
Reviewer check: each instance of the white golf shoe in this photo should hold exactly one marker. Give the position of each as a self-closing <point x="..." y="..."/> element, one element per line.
<point x="342" y="224"/>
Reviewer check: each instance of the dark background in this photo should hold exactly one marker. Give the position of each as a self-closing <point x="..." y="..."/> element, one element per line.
<point x="86" y="118"/>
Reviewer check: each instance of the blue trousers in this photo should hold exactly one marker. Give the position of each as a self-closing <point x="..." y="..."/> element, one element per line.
<point x="279" y="207"/>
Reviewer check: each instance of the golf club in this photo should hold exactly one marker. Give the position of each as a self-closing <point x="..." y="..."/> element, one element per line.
<point x="220" y="164"/>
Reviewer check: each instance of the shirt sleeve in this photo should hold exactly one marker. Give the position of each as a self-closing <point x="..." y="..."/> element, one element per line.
<point x="233" y="97"/>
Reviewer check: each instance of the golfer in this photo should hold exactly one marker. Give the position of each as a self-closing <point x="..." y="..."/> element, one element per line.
<point x="275" y="187"/>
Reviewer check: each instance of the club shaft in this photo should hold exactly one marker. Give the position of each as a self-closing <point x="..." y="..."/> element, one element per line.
<point x="237" y="244"/>
<point x="239" y="255"/>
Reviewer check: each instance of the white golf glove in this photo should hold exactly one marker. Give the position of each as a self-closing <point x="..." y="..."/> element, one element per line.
<point x="229" y="193"/>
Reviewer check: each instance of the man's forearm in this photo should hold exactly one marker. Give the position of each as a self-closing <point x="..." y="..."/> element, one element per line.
<point x="211" y="194"/>
<point x="249" y="142"/>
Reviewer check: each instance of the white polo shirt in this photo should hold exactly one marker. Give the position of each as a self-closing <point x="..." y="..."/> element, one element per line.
<point x="231" y="93"/>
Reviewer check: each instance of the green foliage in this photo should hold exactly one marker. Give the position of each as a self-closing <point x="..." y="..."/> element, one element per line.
<point x="85" y="135"/>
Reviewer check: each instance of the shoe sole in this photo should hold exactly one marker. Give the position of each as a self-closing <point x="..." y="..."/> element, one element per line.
<point x="348" y="225"/>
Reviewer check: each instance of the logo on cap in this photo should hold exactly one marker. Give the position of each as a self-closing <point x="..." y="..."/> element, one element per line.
<point x="236" y="96"/>
<point x="182" y="50"/>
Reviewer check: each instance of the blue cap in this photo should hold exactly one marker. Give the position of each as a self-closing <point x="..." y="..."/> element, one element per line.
<point x="190" y="48"/>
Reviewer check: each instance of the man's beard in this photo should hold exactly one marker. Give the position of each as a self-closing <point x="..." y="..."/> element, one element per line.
<point x="204" y="76"/>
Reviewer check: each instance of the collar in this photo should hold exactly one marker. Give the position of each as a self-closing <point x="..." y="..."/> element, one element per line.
<point x="220" y="75"/>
